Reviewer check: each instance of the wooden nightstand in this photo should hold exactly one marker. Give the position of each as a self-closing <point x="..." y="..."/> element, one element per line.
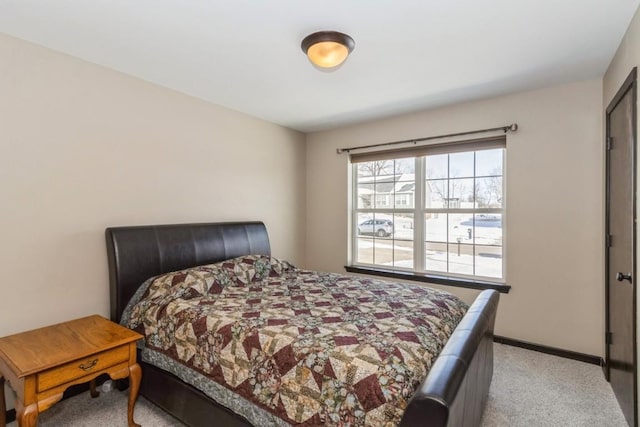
<point x="39" y="365"/>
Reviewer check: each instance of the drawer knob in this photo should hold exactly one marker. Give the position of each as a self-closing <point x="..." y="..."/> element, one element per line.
<point x="89" y="365"/>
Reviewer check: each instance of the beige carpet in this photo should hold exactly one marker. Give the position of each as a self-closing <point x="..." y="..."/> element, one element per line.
<point x="535" y="389"/>
<point x="528" y="389"/>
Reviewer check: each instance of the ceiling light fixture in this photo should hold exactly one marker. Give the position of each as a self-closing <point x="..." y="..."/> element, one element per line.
<point x="327" y="49"/>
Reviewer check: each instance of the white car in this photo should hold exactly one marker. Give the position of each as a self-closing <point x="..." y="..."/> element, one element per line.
<point x="379" y="227"/>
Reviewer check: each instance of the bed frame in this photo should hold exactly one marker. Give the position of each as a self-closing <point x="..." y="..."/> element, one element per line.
<point x="453" y="394"/>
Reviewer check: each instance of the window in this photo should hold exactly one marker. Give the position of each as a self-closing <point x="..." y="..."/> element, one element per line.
<point x="436" y="210"/>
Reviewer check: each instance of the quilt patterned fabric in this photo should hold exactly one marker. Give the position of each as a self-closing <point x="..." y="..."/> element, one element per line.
<point x="311" y="348"/>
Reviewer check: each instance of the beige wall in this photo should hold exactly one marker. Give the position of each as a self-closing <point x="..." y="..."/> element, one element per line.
<point x="554" y="205"/>
<point x="83" y="147"/>
<point x="627" y="57"/>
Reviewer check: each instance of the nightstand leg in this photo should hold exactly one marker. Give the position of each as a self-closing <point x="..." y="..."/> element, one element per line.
<point x="26" y="417"/>
<point x="135" y="375"/>
<point x="92" y="389"/>
<point x="3" y="408"/>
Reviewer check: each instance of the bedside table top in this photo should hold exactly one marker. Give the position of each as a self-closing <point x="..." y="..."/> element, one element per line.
<point x="43" y="348"/>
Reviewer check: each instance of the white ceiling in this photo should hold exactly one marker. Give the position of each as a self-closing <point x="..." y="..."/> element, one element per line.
<point x="409" y="54"/>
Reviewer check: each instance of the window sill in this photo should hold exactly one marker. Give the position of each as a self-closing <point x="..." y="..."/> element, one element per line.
<point x="422" y="277"/>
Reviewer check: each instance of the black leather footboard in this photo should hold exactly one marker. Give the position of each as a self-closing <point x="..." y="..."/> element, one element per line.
<point x="455" y="392"/>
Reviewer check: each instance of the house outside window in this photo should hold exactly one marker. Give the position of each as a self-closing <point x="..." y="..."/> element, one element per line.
<point x="437" y="210"/>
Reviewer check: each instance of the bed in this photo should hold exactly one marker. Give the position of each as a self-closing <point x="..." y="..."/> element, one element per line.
<point x="453" y="393"/>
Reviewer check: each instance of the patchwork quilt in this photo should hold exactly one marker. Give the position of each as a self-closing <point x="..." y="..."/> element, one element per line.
<point x="285" y="346"/>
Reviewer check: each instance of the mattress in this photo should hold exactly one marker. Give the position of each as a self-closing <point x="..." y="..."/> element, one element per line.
<point x="286" y="346"/>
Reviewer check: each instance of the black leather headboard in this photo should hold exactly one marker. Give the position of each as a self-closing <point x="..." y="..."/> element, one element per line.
<point x="138" y="253"/>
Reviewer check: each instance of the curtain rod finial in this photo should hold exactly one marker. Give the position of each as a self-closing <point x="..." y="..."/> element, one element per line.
<point x="513" y="127"/>
<point x="340" y="150"/>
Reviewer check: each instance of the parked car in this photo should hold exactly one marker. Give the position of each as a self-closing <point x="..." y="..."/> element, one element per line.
<point x="379" y="227"/>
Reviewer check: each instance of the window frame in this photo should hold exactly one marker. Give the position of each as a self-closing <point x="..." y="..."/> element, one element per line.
<point x="419" y="211"/>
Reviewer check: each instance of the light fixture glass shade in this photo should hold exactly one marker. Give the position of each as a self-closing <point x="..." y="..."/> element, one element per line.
<point x="327" y="49"/>
<point x="327" y="54"/>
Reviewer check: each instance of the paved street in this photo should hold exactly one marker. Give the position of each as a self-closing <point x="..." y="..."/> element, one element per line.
<point x="451" y="246"/>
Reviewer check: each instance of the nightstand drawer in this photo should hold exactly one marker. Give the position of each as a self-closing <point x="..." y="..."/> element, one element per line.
<point x="80" y="368"/>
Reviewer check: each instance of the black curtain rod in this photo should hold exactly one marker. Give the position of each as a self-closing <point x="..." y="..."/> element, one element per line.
<point x="512" y="127"/>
